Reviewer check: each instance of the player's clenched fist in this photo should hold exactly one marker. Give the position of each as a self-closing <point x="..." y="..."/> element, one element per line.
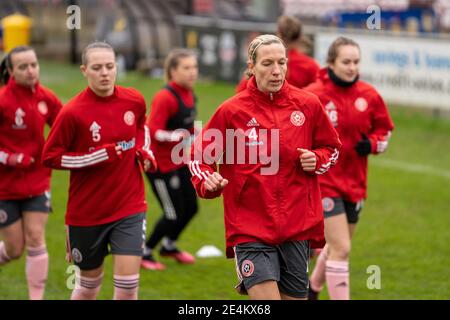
<point x="215" y="182"/>
<point x="307" y="159"/>
<point x="147" y="160"/>
<point x="19" y="160"/>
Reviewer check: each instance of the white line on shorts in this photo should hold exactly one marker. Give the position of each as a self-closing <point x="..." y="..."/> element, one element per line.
<point x="410" y="167"/>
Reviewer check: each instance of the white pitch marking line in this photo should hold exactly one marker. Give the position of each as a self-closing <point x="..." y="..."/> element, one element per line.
<point x="410" y="167"/>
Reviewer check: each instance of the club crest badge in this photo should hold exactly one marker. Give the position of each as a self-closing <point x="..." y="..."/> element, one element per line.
<point x="297" y="118"/>
<point x="361" y="104"/>
<point x="129" y="118"/>
<point x="76" y="255"/>
<point x="247" y="268"/>
<point x="327" y="204"/>
<point x="42" y="107"/>
<point x="3" y="216"/>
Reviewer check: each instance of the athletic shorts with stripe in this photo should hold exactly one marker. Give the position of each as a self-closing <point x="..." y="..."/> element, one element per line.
<point x="286" y="263"/>
<point x="87" y="247"/>
<point x="12" y="210"/>
<point x="336" y="206"/>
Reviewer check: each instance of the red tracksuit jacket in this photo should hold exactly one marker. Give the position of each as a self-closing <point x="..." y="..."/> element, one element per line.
<point x="354" y="111"/>
<point x="103" y="187"/>
<point x="23" y="115"/>
<point x="302" y="70"/>
<point x="164" y="107"/>
<point x="282" y="206"/>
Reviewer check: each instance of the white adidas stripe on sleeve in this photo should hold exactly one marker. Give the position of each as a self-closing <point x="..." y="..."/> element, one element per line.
<point x="147" y="139"/>
<point x="194" y="167"/>
<point x="324" y="167"/>
<point x="84" y="161"/>
<point x="194" y="170"/>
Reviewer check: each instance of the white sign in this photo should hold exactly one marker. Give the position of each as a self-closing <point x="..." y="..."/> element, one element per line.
<point x="407" y="71"/>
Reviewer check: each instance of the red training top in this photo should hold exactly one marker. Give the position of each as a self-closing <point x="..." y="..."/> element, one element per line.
<point x="103" y="186"/>
<point x="354" y="111"/>
<point x="267" y="201"/>
<point x="23" y="115"/>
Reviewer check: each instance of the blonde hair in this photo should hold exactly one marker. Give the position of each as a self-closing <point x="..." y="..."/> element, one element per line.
<point x="173" y="59"/>
<point x="262" y="40"/>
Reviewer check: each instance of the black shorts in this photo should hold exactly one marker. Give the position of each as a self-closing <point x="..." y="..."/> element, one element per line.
<point x="87" y="247"/>
<point x="286" y="263"/>
<point x="336" y="206"/>
<point x="12" y="210"/>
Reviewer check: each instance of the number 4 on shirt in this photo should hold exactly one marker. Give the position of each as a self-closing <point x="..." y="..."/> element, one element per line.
<point x="253" y="135"/>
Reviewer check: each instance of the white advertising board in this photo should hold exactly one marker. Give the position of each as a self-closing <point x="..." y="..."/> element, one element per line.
<point x="408" y="71"/>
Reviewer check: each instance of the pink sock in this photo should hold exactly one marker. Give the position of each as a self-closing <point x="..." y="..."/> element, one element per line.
<point x="338" y="280"/>
<point x="126" y="287"/>
<point x="318" y="275"/>
<point x="36" y="270"/>
<point x="4" y="259"/>
<point x="87" y="288"/>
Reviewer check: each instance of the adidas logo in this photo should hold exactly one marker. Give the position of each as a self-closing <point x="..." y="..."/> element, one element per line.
<point x="253" y="123"/>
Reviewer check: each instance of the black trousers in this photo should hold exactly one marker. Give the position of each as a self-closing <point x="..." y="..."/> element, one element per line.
<point x="177" y="198"/>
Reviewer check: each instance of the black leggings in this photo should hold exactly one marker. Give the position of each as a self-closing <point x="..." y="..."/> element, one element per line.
<point x="177" y="198"/>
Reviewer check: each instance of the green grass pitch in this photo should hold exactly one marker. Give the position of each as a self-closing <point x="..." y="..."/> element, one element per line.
<point x="404" y="227"/>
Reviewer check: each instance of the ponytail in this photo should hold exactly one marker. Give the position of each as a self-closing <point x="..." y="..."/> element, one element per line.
<point x="4" y="74"/>
<point x="7" y="63"/>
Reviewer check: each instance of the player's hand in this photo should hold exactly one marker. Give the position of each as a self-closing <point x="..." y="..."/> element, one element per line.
<point x="147" y="160"/>
<point x="363" y="147"/>
<point x="308" y="159"/>
<point x="20" y="160"/>
<point x="179" y="135"/>
<point x="215" y="182"/>
<point x="113" y="150"/>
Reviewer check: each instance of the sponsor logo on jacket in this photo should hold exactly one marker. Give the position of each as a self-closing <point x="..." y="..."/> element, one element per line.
<point x="18" y="119"/>
<point x="332" y="113"/>
<point x="127" y="145"/>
